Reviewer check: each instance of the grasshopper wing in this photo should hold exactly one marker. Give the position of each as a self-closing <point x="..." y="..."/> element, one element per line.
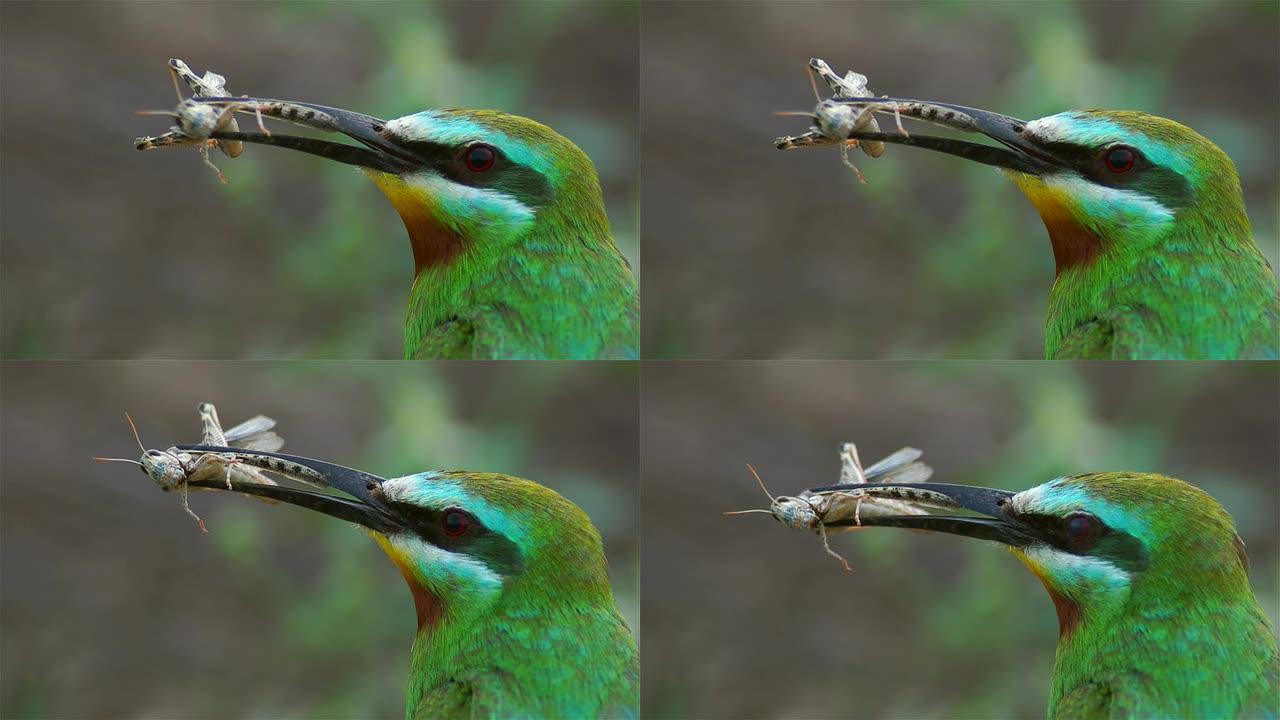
<point x="255" y="434"/>
<point x="900" y="467"/>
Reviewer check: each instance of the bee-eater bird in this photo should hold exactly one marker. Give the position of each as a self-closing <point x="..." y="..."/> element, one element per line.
<point x="512" y="250"/>
<point x="1155" y="615"/>
<point x="516" y="616"/>
<point x="1154" y="253"/>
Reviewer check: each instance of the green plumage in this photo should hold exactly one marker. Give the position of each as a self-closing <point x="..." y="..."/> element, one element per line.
<point x="1156" y="618"/>
<point x="548" y="641"/>
<point x="1186" y="638"/>
<point x="529" y="269"/>
<point x="1194" y="286"/>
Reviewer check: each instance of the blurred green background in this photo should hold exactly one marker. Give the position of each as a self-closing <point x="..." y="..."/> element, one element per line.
<point x="745" y="618"/>
<point x="109" y="252"/>
<point x="114" y="603"/>
<point x="755" y="253"/>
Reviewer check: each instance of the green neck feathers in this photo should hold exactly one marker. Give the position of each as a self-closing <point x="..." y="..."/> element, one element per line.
<point x="1180" y="283"/>
<point x="559" y="288"/>
<point x="1187" y="639"/>
<point x="531" y="654"/>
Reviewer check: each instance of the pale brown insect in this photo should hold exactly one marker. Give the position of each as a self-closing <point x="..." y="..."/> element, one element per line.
<point x="175" y="469"/>
<point x="197" y="121"/>
<point x="835" y="121"/>
<point x="813" y="511"/>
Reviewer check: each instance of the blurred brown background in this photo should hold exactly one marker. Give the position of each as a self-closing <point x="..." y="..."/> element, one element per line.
<point x="114" y="603"/>
<point x="109" y="252"/>
<point x="745" y="618"/>
<point x="755" y="253"/>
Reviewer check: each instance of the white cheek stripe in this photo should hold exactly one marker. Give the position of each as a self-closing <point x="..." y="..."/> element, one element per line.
<point x="1136" y="207"/>
<point x="1076" y="569"/>
<point x="459" y="571"/>
<point x="490" y="205"/>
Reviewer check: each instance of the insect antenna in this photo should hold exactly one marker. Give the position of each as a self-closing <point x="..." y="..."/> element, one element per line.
<point x="169" y="113"/>
<point x="173" y="75"/>
<point x="134" y="428"/>
<point x="797" y="113"/>
<point x="106" y="459"/>
<point x="762" y="487"/>
<point x="813" y="81"/>
<point x="760" y="482"/>
<point x="136" y="439"/>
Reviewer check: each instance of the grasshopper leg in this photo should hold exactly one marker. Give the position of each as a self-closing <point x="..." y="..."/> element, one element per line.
<point x="822" y="530"/>
<point x="844" y="157"/>
<point x="257" y="111"/>
<point x="187" y="506"/>
<point x="897" y="118"/>
<point x="204" y="154"/>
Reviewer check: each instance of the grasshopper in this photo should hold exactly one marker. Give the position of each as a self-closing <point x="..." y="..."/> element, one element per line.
<point x="814" y="510"/>
<point x="174" y="469"/>
<point x="197" y="121"/>
<point x="836" y="121"/>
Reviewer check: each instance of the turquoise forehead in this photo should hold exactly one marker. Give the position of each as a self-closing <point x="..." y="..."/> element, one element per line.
<point x="1087" y="129"/>
<point x="448" y="129"/>
<point x="439" y="491"/>
<point x="1061" y="496"/>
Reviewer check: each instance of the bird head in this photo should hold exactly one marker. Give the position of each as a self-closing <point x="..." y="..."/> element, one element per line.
<point x="466" y="542"/>
<point x="485" y="177"/>
<point x="466" y="183"/>
<point x="1104" y="182"/>
<point x="463" y="540"/>
<point x="1094" y="540"/>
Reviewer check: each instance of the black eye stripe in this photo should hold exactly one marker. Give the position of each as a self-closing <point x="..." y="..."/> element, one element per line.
<point x="1106" y="543"/>
<point x="1145" y="176"/>
<point x="496" y="551"/>
<point x="452" y="159"/>
<point x="526" y="184"/>
<point x="1055" y="530"/>
<point x="1090" y="161"/>
<point x="430" y="523"/>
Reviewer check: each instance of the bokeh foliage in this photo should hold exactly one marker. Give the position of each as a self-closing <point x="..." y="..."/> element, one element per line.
<point x="753" y="252"/>
<point x="109" y="252"/>
<point x="115" y="605"/>
<point x="745" y="618"/>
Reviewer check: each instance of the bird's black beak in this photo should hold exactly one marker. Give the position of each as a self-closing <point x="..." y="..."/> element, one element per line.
<point x="378" y="149"/>
<point x="992" y="521"/>
<point x="1017" y="150"/>
<point x="367" y="508"/>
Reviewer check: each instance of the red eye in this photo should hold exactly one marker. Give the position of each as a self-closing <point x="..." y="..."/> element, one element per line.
<point x="1121" y="159"/>
<point x="480" y="157"/>
<point x="1080" y="528"/>
<point x="456" y="523"/>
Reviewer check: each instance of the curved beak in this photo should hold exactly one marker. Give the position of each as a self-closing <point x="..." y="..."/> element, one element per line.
<point x="378" y="149"/>
<point x="366" y="506"/>
<point x="1016" y="149"/>
<point x="990" y="519"/>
